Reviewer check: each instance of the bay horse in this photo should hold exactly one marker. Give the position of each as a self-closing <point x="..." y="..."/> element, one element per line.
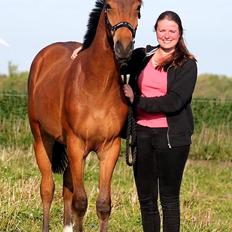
<point x="78" y="106"/>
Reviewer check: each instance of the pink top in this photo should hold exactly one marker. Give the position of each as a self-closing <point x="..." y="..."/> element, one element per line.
<point x="152" y="83"/>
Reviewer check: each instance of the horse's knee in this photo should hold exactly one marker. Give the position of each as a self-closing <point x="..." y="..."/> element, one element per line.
<point x="103" y="208"/>
<point x="47" y="189"/>
<point x="79" y="205"/>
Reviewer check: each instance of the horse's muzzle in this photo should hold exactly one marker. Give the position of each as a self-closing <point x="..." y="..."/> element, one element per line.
<point x="123" y="52"/>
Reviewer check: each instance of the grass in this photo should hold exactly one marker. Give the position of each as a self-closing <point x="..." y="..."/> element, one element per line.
<point x="206" y="196"/>
<point x="212" y="144"/>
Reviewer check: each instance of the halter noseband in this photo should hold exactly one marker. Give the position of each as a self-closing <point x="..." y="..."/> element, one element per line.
<point x="114" y="28"/>
<point x="124" y="24"/>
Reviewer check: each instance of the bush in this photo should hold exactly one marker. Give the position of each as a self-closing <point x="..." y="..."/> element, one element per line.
<point x="14" y="127"/>
<point x="13" y="105"/>
<point x="212" y="112"/>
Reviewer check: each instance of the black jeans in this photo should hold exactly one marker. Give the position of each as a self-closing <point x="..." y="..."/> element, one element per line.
<point x="158" y="171"/>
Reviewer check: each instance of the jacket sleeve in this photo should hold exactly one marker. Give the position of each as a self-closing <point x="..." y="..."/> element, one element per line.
<point x="177" y="96"/>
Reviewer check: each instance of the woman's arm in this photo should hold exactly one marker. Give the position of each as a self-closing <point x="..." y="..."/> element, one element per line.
<point x="177" y="97"/>
<point x="75" y="52"/>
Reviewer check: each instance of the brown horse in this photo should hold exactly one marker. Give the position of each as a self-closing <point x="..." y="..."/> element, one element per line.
<point x="78" y="106"/>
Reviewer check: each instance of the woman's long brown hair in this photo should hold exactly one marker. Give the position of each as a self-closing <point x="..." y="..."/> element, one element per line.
<point x="181" y="52"/>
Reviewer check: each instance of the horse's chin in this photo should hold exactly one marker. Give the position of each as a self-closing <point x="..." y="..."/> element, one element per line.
<point x="123" y="61"/>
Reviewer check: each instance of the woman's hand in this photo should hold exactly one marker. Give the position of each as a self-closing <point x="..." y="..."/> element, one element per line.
<point x="128" y="92"/>
<point x="75" y="52"/>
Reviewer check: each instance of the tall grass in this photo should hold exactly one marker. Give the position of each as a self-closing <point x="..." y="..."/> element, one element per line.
<point x="15" y="133"/>
<point x="212" y="138"/>
<point x="14" y="126"/>
<point x="212" y="143"/>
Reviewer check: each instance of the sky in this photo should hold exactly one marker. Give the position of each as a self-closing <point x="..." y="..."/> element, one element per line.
<point x="26" y="26"/>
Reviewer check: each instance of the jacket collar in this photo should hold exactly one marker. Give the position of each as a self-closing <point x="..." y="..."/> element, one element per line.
<point x="150" y="50"/>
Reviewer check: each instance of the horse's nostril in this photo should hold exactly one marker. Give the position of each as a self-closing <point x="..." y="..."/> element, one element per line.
<point x="123" y="51"/>
<point x="118" y="48"/>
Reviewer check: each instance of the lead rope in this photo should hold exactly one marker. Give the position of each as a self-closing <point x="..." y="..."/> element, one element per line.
<point x="131" y="149"/>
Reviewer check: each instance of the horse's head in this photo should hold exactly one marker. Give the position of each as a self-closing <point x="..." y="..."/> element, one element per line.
<point x="122" y="21"/>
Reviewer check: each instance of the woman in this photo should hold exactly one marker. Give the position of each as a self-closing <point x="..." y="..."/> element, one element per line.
<point x="161" y="87"/>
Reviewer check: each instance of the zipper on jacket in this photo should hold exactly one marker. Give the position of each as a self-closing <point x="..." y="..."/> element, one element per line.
<point x="169" y="144"/>
<point x="171" y="65"/>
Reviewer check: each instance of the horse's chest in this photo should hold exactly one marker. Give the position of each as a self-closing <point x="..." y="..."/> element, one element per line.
<point x="99" y="123"/>
<point x="103" y="121"/>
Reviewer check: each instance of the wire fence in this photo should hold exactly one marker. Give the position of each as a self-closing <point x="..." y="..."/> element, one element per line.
<point x="207" y="111"/>
<point x="213" y="125"/>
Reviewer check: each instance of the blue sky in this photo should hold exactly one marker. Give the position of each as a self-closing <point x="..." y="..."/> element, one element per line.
<point x="29" y="25"/>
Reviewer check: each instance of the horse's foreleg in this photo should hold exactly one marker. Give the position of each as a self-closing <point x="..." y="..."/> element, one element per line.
<point x="47" y="184"/>
<point x="67" y="196"/>
<point x="79" y="201"/>
<point x="108" y="159"/>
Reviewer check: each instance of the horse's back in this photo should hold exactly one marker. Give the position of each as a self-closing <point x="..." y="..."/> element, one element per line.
<point x="54" y="56"/>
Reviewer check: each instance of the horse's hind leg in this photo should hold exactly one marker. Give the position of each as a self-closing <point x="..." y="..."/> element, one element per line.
<point x="43" y="151"/>
<point x="67" y="196"/>
<point x="108" y="159"/>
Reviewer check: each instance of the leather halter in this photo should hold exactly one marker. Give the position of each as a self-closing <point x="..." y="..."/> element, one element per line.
<point x="114" y="28"/>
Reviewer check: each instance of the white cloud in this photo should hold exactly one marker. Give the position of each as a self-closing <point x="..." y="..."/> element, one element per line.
<point x="3" y="42"/>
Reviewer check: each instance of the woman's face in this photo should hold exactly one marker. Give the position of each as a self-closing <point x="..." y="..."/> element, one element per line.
<point x="167" y="34"/>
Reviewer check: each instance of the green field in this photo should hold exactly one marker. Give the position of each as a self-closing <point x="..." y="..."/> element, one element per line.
<point x="206" y="196"/>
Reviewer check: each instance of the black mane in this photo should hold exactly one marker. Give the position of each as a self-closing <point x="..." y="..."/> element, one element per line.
<point x="92" y="23"/>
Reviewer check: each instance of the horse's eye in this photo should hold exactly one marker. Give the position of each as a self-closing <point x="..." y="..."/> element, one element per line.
<point x="108" y="7"/>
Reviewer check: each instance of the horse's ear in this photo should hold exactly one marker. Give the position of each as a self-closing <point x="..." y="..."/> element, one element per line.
<point x="139" y="13"/>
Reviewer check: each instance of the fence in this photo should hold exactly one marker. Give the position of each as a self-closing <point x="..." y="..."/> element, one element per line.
<point x="212" y="138"/>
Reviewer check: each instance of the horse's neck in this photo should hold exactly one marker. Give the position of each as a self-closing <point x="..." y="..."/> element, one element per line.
<point x="101" y="52"/>
<point x="101" y="72"/>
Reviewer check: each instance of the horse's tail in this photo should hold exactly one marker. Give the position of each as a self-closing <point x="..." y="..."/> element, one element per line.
<point x="59" y="158"/>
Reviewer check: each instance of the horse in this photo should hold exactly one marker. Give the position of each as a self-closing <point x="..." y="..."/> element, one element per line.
<point x="78" y="106"/>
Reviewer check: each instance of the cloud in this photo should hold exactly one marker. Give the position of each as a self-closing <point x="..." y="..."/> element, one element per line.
<point x="3" y="42"/>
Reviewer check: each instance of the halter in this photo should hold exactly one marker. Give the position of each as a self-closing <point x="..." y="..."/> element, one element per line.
<point x="114" y="28"/>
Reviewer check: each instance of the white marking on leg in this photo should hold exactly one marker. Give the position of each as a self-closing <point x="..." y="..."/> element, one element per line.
<point x="68" y="228"/>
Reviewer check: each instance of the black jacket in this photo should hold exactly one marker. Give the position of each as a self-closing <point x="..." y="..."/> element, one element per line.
<point x="176" y="104"/>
